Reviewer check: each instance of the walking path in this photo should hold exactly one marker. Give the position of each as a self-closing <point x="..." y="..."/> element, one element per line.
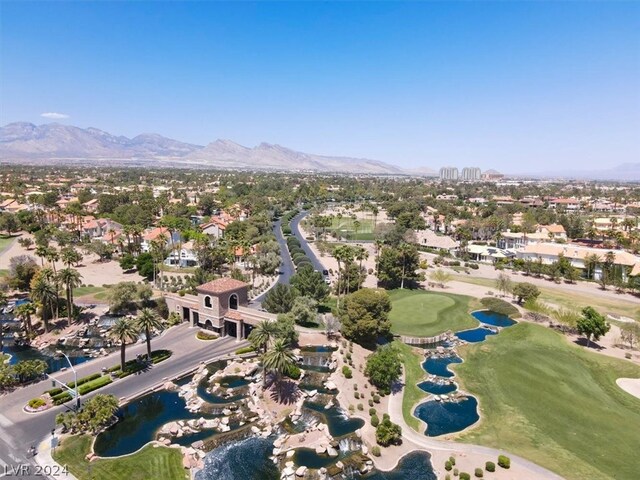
<point x="468" y="456"/>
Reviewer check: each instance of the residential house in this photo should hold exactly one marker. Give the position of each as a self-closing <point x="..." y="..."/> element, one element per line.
<point x="429" y="238"/>
<point x="183" y="255"/>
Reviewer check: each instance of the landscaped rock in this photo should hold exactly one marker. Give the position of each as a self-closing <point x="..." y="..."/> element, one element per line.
<point x="290" y="453"/>
<point x="320" y="449"/>
<point x="332" y="452"/>
<point x="301" y="471"/>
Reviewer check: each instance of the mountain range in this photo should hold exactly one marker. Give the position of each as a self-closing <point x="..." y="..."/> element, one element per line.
<point x="53" y="142"/>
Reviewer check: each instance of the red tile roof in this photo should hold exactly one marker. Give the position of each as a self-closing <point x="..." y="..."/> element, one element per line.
<point x="221" y="285"/>
<point x="233" y="315"/>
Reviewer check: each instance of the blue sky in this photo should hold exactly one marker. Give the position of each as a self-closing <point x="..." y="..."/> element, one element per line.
<point x="517" y="86"/>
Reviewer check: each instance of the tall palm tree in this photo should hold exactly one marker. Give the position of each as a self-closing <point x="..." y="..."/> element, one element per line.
<point x="123" y="331"/>
<point x="24" y="312"/>
<point x="71" y="279"/>
<point x="404" y="249"/>
<point x="3" y="302"/>
<point x="45" y="292"/>
<point x="147" y="320"/>
<point x="262" y="335"/>
<point x="279" y="358"/>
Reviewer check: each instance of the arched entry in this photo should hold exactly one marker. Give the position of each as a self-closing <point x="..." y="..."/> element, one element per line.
<point x="233" y="301"/>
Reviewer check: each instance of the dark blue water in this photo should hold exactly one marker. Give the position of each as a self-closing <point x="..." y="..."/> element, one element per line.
<point x="318" y="349"/>
<point x="217" y="399"/>
<point x="309" y="458"/>
<point x="55" y="363"/>
<point x="246" y="459"/>
<point x="139" y="421"/>
<point x="414" y="466"/>
<point x="447" y="417"/>
<point x="492" y="318"/>
<point x="476" y="335"/>
<point x="437" y="388"/>
<point x="337" y="420"/>
<point x="438" y="366"/>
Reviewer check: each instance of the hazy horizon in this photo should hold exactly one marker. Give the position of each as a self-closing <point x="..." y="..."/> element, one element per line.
<point x="517" y="87"/>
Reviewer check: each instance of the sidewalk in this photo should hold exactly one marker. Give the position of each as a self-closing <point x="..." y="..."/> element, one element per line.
<point x="46" y="461"/>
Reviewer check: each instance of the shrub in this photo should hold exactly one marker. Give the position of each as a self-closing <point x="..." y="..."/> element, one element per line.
<point x="54" y="391"/>
<point x="94" y="385"/>
<point x="360" y="407"/>
<point x="455" y="472"/>
<point x="465" y="476"/>
<point x="370" y="403"/>
<point x="627" y="355"/>
<point x="355" y="386"/>
<point x="346" y="371"/>
<point x="352" y="408"/>
<point x="294" y="372"/>
<point x="452" y="460"/>
<point x="490" y="467"/>
<point x="375" y="451"/>
<point x="356" y="395"/>
<point x="61" y="398"/>
<point x="206" y="335"/>
<point x="84" y="380"/>
<point x="242" y="350"/>
<point x="36" y="403"/>
<point x="372" y="411"/>
<point x="504" y="461"/>
<point x="376" y="398"/>
<point x="478" y="473"/>
<point x="500" y="306"/>
<point x="375" y="421"/>
<point x="447" y="477"/>
<point x="448" y="466"/>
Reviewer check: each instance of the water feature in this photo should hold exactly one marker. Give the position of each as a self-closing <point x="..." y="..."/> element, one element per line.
<point x="493" y="318"/>
<point x="438" y="387"/>
<point x="416" y="466"/>
<point x="447" y="417"/>
<point x="475" y="335"/>
<point x="55" y="363"/>
<point x="438" y="365"/>
<point x="246" y="459"/>
<point x="449" y="414"/>
<point x="336" y="418"/>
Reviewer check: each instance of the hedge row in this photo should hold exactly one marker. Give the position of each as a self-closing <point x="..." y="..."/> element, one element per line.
<point x="83" y="389"/>
<point x="58" y="390"/>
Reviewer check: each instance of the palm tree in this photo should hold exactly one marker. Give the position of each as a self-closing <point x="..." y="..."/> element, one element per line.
<point x="262" y="335"/>
<point x="404" y="249"/>
<point x="360" y="255"/>
<point x="279" y="358"/>
<point x="3" y="302"/>
<point x="71" y="279"/>
<point x="123" y="331"/>
<point x="24" y="312"/>
<point x="147" y="320"/>
<point x="45" y="292"/>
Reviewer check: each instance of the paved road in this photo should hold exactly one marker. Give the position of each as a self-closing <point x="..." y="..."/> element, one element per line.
<point x="295" y="229"/>
<point x="19" y="430"/>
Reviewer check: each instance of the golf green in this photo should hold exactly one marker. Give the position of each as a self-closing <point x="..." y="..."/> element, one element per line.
<point x="421" y="313"/>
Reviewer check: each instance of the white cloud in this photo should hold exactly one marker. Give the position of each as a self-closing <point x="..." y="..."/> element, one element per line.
<point x="54" y="115"/>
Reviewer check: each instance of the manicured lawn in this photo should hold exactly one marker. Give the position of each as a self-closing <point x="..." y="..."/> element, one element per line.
<point x="426" y="314"/>
<point x="344" y="227"/>
<point x="568" y="299"/>
<point x="553" y="403"/>
<point x="414" y="374"/>
<point x="6" y="241"/>
<point x="150" y="463"/>
<point x="99" y="293"/>
<point x="4" y="273"/>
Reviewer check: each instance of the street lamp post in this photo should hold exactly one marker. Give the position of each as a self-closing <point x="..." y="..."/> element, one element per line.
<point x="75" y="378"/>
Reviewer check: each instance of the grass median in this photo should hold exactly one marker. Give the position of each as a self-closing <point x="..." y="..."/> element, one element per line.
<point x="553" y="403"/>
<point x="151" y="462"/>
<point x="414" y="374"/>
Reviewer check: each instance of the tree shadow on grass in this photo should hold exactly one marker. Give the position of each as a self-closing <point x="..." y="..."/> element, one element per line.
<point x="285" y="392"/>
<point x="397" y="386"/>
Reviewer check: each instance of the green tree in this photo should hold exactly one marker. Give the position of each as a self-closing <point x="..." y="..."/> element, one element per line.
<point x="71" y="279"/>
<point x="123" y="331"/>
<point x="263" y="334"/>
<point x="365" y="315"/>
<point x="504" y="283"/>
<point x="630" y="333"/>
<point x="440" y="276"/>
<point x="24" y="312"/>
<point x="279" y="358"/>
<point x="147" y="321"/>
<point x="122" y="297"/>
<point x="524" y="291"/>
<point x="388" y="433"/>
<point x="27" y="370"/>
<point x="310" y="283"/>
<point x="22" y="269"/>
<point x="96" y="413"/>
<point x="45" y="292"/>
<point x="592" y="325"/>
<point x="384" y="368"/>
<point x="304" y="311"/>
<point x="279" y="299"/>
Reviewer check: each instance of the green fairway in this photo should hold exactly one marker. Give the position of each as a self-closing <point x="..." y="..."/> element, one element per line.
<point x="556" y="295"/>
<point x="425" y="314"/>
<point x="5" y="241"/>
<point x="553" y="403"/>
<point x="345" y="228"/>
<point x="150" y="463"/>
<point x="99" y="293"/>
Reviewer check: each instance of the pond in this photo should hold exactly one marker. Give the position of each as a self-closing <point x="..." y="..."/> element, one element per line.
<point x="438" y="365"/>
<point x="493" y="318"/>
<point x="336" y="418"/>
<point x="475" y="335"/>
<point x="246" y="459"/>
<point x="437" y="388"/>
<point x="414" y="466"/>
<point x="55" y="363"/>
<point x="447" y="417"/>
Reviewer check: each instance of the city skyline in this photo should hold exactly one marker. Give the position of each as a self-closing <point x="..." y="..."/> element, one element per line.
<point x="516" y="87"/>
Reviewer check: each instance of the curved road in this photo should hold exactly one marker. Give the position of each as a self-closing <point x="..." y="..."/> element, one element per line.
<point x="19" y="430"/>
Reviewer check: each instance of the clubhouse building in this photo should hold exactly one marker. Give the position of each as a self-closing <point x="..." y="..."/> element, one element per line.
<point x="221" y="306"/>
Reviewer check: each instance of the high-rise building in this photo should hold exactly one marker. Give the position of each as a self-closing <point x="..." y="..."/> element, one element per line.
<point x="471" y="174"/>
<point x="448" y="173"/>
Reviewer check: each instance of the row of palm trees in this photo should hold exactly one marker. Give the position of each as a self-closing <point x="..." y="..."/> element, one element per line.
<point x="277" y="356"/>
<point x="127" y="329"/>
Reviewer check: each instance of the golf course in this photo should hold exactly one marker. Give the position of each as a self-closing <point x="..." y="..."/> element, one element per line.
<point x="421" y="313"/>
<point x="553" y="402"/>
